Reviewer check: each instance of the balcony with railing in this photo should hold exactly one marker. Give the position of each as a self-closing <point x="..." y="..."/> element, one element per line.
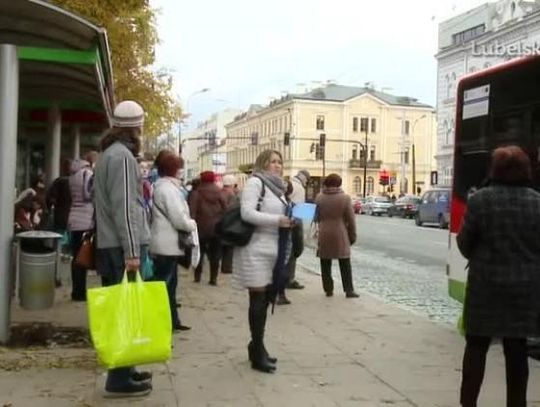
<point x="361" y="162"/>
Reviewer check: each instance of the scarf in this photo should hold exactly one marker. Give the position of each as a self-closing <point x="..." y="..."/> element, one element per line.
<point x="332" y="190"/>
<point x="272" y="181"/>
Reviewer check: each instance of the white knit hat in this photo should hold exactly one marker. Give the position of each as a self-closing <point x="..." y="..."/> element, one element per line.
<point x="128" y="114"/>
<point x="229" y="180"/>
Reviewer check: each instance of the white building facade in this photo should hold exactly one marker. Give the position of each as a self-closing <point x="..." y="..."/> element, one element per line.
<point x="475" y="40"/>
<point x="197" y="142"/>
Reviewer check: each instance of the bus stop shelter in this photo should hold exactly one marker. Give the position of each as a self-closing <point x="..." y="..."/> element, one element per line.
<point x="55" y="80"/>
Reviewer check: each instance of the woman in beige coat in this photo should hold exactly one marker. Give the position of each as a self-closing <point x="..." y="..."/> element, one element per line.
<point x="337" y="232"/>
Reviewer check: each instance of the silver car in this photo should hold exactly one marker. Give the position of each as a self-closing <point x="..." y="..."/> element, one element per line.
<point x="377" y="205"/>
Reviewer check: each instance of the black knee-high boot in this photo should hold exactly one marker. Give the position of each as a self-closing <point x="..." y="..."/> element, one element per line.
<point x="258" y="304"/>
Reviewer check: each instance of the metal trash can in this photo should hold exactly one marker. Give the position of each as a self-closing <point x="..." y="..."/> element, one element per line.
<point x="37" y="265"/>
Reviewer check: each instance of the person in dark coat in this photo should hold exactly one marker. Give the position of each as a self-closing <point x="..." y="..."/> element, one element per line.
<point x="337" y="232"/>
<point x="207" y="205"/>
<point x="500" y="238"/>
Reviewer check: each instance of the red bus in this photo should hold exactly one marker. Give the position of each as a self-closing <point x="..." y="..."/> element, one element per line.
<point x="495" y="107"/>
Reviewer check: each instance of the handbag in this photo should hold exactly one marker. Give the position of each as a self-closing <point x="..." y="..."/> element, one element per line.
<point x="185" y="239"/>
<point x="86" y="255"/>
<point x="130" y="323"/>
<point x="232" y="229"/>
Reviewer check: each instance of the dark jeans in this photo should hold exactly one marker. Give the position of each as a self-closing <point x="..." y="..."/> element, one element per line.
<point x="78" y="274"/>
<point x="165" y="270"/>
<point x="212" y="248"/>
<point x="474" y="364"/>
<point x="346" y="275"/>
<point x="111" y="266"/>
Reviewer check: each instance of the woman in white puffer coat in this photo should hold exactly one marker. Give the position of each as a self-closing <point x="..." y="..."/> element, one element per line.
<point x="253" y="263"/>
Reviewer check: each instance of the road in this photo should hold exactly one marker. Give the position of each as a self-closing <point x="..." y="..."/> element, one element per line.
<point x="400" y="263"/>
<point x="401" y="238"/>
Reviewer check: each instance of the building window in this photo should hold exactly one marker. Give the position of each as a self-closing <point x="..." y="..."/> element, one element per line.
<point x="320" y="122"/>
<point x="372" y="153"/>
<point x="407" y="127"/>
<point x="357" y="185"/>
<point x="355" y="124"/>
<point x="362" y="154"/>
<point x="364" y="123"/>
<point x="370" y="184"/>
<point x="355" y="152"/>
<point x="469" y="34"/>
<point x="406" y="156"/>
<point x="373" y="125"/>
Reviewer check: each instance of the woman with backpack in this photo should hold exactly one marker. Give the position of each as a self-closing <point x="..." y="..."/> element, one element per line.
<point x="263" y="204"/>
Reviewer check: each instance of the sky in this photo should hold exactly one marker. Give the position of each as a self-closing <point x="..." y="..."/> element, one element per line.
<point x="248" y="52"/>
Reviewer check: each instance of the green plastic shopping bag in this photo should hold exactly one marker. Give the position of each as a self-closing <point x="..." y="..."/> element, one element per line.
<point x="130" y="323"/>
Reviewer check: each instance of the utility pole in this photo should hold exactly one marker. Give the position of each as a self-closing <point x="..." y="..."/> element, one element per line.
<point x="364" y="147"/>
<point x="402" y="155"/>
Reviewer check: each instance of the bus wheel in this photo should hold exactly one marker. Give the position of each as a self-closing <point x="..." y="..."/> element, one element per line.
<point x="417" y="220"/>
<point x="442" y="223"/>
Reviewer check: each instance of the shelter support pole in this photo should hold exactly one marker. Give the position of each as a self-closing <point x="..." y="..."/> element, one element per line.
<point x="76" y="141"/>
<point x="9" y="104"/>
<point x="54" y="145"/>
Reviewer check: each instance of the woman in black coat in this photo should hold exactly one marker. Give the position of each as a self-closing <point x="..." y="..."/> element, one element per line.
<point x="500" y="237"/>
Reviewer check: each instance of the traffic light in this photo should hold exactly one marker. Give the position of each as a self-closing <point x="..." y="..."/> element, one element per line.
<point x="384" y="177"/>
<point x="322" y="140"/>
<point x="287" y="139"/>
<point x="212" y="139"/>
<point x="254" y="138"/>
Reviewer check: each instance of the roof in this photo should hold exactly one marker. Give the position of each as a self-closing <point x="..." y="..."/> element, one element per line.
<point x="341" y="93"/>
<point x="63" y="59"/>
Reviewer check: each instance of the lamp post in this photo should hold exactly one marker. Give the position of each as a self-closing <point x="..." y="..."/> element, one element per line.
<point x="365" y="162"/>
<point x="414" y="153"/>
<point x="186" y="116"/>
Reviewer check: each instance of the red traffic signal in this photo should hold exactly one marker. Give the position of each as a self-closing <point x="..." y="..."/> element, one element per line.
<point x="384" y="177"/>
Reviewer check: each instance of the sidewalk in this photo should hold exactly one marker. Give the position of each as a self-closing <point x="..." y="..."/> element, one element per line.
<point x="332" y="352"/>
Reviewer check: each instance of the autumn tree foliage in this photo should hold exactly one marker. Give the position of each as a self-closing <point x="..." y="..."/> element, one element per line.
<point x="131" y="28"/>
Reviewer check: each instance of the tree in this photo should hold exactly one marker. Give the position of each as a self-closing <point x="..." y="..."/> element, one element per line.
<point x="132" y="33"/>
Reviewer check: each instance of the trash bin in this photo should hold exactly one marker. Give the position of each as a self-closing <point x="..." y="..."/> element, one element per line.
<point x="37" y="263"/>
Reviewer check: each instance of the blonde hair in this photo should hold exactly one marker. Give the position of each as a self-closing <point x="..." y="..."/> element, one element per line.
<point x="263" y="160"/>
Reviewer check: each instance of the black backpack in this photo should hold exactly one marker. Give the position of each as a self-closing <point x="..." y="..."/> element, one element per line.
<point x="232" y="229"/>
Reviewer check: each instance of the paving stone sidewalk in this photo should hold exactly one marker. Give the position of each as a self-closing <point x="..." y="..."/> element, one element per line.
<point x="332" y="352"/>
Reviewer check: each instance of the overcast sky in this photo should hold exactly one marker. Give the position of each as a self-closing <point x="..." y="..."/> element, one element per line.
<point x="250" y="51"/>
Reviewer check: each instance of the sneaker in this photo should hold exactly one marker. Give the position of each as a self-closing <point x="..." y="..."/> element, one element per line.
<point x="180" y="327"/>
<point x="351" y="294"/>
<point x="295" y="285"/>
<point x="282" y="300"/>
<point x="141" y="376"/>
<point x="129" y="389"/>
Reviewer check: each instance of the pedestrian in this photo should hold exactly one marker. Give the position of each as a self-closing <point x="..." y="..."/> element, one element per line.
<point x="207" y="206"/>
<point x="254" y="263"/>
<point x="80" y="221"/>
<point x="499" y="237"/>
<point x="337" y="232"/>
<point x="58" y="199"/>
<point x="122" y="229"/>
<point x="297" y="246"/>
<point x="170" y="213"/>
<point x="298" y="196"/>
<point x="231" y="198"/>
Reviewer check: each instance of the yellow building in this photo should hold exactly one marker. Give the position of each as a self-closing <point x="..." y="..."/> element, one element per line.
<point x="354" y="121"/>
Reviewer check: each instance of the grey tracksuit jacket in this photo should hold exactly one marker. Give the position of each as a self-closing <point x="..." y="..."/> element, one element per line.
<point x="120" y="216"/>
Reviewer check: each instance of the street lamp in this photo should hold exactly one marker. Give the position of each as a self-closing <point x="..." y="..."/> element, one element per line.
<point x="365" y="161"/>
<point x="186" y="116"/>
<point x="414" y="154"/>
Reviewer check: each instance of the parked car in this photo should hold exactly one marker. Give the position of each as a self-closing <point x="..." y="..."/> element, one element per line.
<point x="406" y="207"/>
<point x="377" y="205"/>
<point x="434" y="208"/>
<point x="357" y="205"/>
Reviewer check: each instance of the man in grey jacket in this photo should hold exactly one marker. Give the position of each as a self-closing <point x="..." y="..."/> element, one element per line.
<point x="299" y="183"/>
<point x="122" y="228"/>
